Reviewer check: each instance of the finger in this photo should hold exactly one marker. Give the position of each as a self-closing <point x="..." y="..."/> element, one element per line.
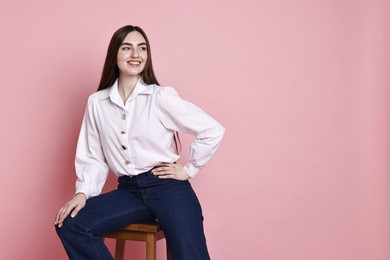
<point x="57" y="217"/>
<point x="162" y="170"/>
<point x="163" y="173"/>
<point x="159" y="169"/>
<point x="76" y="210"/>
<point x="63" y="215"/>
<point x="166" y="176"/>
<point x="74" y="213"/>
<point x="59" y="214"/>
<point x="166" y="173"/>
<point x="162" y="167"/>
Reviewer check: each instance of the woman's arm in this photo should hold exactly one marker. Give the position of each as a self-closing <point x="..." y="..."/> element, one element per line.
<point x="91" y="168"/>
<point x="182" y="116"/>
<point x="90" y="162"/>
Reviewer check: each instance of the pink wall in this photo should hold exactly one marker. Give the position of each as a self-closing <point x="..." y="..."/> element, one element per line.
<point x="301" y="86"/>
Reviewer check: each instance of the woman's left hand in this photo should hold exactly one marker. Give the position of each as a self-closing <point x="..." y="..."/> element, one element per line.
<point x="171" y="171"/>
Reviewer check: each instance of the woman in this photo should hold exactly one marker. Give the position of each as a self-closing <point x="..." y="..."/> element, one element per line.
<point x="130" y="127"/>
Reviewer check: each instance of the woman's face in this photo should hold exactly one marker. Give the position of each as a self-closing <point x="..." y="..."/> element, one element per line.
<point x="132" y="55"/>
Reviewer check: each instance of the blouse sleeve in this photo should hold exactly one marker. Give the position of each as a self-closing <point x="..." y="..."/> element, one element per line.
<point x="179" y="115"/>
<point x="91" y="168"/>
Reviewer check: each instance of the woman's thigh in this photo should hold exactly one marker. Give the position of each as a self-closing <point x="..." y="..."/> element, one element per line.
<point x="180" y="215"/>
<point x="111" y="211"/>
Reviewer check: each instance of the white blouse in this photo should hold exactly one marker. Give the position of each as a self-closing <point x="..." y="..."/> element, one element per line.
<point x="132" y="138"/>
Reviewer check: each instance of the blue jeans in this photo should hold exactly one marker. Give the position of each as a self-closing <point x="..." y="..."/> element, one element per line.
<point x="141" y="198"/>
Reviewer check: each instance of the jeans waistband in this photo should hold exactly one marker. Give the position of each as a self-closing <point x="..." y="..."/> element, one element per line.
<point x="137" y="175"/>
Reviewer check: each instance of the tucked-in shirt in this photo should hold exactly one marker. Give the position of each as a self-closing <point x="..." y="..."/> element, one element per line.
<point x="132" y="137"/>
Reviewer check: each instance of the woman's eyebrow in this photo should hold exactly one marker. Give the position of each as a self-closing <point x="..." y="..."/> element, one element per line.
<point x="129" y="44"/>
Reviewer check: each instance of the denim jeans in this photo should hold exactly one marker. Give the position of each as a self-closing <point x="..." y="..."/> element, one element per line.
<point x="140" y="198"/>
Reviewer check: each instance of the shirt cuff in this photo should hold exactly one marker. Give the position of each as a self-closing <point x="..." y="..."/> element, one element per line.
<point x="83" y="188"/>
<point x="80" y="192"/>
<point x="191" y="170"/>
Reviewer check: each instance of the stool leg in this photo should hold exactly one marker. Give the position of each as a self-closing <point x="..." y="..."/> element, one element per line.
<point x="169" y="256"/>
<point x="150" y="246"/>
<point x="120" y="249"/>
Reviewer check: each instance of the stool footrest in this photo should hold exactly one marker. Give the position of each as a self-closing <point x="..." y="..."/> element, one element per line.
<point x="147" y="232"/>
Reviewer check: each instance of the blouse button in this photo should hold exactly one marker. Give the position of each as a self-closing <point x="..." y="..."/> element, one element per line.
<point x="127" y="162"/>
<point x="124" y="116"/>
<point x="123" y="132"/>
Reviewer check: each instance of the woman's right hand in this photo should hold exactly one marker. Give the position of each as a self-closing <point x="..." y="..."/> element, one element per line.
<point x="73" y="206"/>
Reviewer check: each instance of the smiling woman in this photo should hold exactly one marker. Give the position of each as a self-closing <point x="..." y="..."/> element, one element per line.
<point x="132" y="57"/>
<point x="111" y="69"/>
<point x="129" y="127"/>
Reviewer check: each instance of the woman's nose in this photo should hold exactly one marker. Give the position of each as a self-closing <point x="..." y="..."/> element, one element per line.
<point x="134" y="53"/>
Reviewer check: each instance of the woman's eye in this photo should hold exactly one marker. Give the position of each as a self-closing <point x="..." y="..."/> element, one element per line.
<point x="125" y="48"/>
<point x="142" y="49"/>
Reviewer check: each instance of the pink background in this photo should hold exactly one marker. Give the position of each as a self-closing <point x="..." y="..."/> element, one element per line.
<point x="301" y="86"/>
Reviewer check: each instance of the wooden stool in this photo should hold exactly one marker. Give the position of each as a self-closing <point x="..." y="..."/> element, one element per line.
<point x="148" y="232"/>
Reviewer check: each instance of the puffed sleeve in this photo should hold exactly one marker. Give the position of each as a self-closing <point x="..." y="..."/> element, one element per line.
<point x="182" y="116"/>
<point x="91" y="167"/>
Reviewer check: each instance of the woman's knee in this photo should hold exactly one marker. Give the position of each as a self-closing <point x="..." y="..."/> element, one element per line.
<point x="68" y="228"/>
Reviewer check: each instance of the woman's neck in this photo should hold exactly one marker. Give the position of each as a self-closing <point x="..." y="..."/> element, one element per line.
<point x="126" y="86"/>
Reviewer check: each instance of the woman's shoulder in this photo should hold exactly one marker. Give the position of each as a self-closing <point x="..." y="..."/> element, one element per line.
<point x="99" y="95"/>
<point x="163" y="91"/>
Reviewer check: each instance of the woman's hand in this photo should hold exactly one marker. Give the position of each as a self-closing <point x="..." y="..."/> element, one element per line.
<point x="74" y="206"/>
<point x="171" y="171"/>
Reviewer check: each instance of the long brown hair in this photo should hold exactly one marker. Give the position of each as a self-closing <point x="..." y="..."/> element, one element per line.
<point x="111" y="71"/>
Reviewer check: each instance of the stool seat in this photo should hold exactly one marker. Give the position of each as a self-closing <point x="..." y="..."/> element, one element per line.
<point x="147" y="232"/>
